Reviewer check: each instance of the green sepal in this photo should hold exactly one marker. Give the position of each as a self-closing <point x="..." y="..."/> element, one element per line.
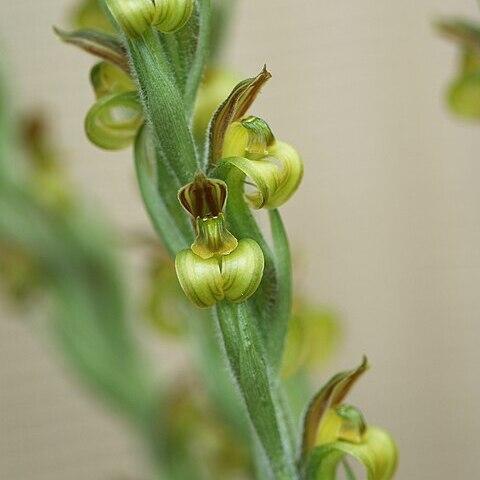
<point x="158" y="185"/>
<point x="377" y="452"/>
<point x="113" y="121"/>
<point x="100" y="44"/>
<point x="330" y="396"/>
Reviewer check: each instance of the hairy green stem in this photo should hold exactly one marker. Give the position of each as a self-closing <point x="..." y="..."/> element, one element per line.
<point x="253" y="359"/>
<point x="251" y="373"/>
<point x="164" y="107"/>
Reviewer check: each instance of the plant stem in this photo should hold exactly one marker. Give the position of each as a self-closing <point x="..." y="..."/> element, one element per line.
<point x="251" y="373"/>
<point x="164" y="107"/>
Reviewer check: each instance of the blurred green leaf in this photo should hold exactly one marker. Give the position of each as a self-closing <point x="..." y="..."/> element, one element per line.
<point x="464" y="96"/>
<point x="89" y="14"/>
<point x="313" y="336"/>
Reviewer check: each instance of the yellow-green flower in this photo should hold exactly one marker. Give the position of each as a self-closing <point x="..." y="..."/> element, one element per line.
<point x="334" y="431"/>
<point x="217" y="266"/>
<point x="247" y="143"/>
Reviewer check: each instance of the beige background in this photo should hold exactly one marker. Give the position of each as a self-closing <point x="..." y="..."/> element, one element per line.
<point x="387" y="224"/>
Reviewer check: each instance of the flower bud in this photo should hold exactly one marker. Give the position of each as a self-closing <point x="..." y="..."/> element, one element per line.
<point x="136" y="16"/>
<point x="248" y="145"/>
<point x="235" y="276"/>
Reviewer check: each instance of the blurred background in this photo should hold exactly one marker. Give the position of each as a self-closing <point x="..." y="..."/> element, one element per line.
<point x="386" y="228"/>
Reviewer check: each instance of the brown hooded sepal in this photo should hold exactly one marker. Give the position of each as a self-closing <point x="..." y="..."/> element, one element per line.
<point x="204" y="197"/>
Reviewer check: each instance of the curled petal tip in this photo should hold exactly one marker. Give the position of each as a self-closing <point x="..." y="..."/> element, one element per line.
<point x="250" y="146"/>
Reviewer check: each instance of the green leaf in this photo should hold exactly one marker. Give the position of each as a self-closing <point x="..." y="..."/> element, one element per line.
<point x="281" y="312"/>
<point x="464" y="96"/>
<point x="313" y="336"/>
<point x="159" y="185"/>
<point x="103" y="45"/>
<point x="76" y="258"/>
